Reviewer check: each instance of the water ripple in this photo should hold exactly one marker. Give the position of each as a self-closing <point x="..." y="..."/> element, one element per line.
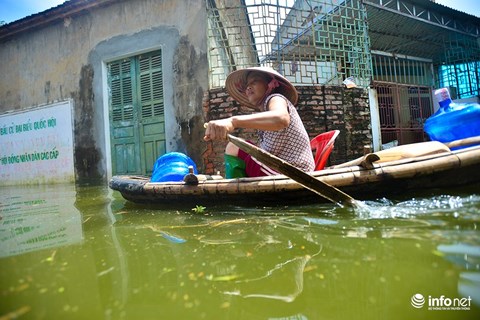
<point x="465" y="207"/>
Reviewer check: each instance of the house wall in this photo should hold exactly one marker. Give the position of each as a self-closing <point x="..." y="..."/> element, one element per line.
<point x="322" y="108"/>
<point x="67" y="60"/>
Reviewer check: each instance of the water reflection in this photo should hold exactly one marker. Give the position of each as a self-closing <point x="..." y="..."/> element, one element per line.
<point x="117" y="260"/>
<point x="34" y="218"/>
<point x="247" y="258"/>
<point x="467" y="257"/>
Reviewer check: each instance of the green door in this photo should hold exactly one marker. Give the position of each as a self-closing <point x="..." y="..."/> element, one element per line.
<point x="137" y="121"/>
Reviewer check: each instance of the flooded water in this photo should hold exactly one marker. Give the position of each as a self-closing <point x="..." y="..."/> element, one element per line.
<point x="71" y="252"/>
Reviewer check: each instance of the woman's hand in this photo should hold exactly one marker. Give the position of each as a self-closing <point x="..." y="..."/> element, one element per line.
<point x="218" y="129"/>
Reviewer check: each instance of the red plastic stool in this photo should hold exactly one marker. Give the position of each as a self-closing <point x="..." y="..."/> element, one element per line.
<point x="323" y="145"/>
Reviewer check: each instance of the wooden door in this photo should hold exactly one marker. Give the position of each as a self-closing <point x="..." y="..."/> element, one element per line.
<point x="137" y="120"/>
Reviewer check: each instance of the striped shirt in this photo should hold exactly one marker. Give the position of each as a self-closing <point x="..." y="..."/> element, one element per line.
<point x="291" y="144"/>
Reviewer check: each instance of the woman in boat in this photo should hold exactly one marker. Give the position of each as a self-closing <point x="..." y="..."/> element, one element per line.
<point x="280" y="129"/>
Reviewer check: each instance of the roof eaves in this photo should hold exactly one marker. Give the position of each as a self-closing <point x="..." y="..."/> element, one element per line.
<point x="48" y="17"/>
<point x="450" y="11"/>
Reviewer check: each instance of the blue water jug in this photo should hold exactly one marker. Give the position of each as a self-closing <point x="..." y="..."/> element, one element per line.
<point x="172" y="166"/>
<point x="453" y="121"/>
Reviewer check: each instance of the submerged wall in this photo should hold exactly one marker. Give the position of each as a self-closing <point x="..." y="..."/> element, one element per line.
<point x="65" y="60"/>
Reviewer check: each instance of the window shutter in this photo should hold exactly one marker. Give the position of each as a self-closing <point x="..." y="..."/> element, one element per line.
<point x="120" y="73"/>
<point x="151" y="86"/>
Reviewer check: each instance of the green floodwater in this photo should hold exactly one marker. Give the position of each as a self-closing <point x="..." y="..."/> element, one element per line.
<point x="82" y="252"/>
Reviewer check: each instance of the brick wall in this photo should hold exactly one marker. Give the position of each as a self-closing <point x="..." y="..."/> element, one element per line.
<point x="322" y="108"/>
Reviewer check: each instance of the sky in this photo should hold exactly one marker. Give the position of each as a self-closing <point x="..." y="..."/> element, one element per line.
<point x="11" y="10"/>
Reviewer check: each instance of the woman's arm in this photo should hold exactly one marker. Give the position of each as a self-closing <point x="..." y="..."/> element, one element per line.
<point x="276" y="118"/>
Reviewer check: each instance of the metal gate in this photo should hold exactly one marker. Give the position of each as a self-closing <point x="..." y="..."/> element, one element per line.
<point x="403" y="110"/>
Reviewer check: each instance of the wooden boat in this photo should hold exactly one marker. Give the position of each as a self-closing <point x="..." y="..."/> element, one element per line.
<point x="442" y="170"/>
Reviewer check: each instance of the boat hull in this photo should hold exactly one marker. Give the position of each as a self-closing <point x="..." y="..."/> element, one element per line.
<point x="444" y="170"/>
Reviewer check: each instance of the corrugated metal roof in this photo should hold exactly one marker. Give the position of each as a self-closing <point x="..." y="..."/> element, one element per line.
<point x="414" y="35"/>
<point x="442" y="9"/>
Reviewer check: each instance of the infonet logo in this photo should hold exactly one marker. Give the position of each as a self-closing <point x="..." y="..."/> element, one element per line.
<point x="441" y="303"/>
<point x="417" y="301"/>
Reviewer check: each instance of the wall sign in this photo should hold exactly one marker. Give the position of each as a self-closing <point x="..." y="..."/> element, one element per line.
<point x="36" y="146"/>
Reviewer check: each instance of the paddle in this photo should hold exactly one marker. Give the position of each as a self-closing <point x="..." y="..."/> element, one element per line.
<point x="307" y="181"/>
<point x="397" y="153"/>
<point x="463" y="142"/>
<point x="407" y="151"/>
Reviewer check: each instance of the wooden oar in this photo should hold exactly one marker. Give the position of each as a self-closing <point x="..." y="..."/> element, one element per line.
<point x="407" y="151"/>
<point x="307" y="181"/>
<point x="463" y="142"/>
<point x="397" y="153"/>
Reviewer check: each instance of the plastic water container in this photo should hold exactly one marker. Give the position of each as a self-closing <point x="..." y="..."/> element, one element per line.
<point x="172" y="166"/>
<point x="453" y="121"/>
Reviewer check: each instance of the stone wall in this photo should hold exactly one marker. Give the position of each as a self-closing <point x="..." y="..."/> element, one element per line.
<point x="322" y="108"/>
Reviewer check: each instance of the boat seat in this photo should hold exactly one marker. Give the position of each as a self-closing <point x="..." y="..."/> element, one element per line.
<point x="322" y="146"/>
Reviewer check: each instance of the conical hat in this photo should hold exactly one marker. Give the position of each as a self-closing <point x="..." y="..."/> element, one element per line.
<point x="237" y="80"/>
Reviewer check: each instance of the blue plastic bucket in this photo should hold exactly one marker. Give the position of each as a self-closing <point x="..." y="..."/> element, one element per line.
<point x="172" y="166"/>
<point x="458" y="122"/>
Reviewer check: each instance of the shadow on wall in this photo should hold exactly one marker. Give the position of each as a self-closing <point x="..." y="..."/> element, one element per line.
<point x="87" y="156"/>
<point x="192" y="136"/>
<point x="86" y="161"/>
